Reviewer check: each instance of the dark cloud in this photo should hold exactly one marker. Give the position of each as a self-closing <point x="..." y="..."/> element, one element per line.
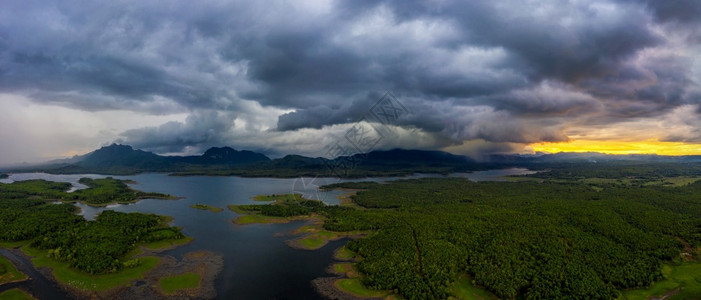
<point x="676" y="11"/>
<point x="201" y="130"/>
<point x="504" y="72"/>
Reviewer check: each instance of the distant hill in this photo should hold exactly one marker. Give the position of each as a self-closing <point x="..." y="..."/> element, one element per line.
<point x="123" y="156"/>
<point x="123" y="159"/>
<point x="223" y="156"/>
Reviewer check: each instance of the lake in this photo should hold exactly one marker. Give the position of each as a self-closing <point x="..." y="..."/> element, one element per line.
<point x="258" y="264"/>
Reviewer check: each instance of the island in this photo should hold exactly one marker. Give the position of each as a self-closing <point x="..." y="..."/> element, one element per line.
<point x="213" y="209"/>
<point x="96" y="258"/>
<point x="106" y="191"/>
<point x="293" y="207"/>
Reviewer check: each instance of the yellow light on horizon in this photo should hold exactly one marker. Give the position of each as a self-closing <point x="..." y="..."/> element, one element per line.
<point x="621" y="147"/>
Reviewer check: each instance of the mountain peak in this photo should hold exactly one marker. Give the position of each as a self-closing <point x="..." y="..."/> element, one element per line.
<point x="115" y="146"/>
<point x="219" y="153"/>
<point x="228" y="155"/>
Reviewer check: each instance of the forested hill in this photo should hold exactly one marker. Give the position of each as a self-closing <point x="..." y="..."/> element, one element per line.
<point x="123" y="159"/>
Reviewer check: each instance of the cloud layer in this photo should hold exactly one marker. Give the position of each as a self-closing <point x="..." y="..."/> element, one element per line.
<point x="267" y="74"/>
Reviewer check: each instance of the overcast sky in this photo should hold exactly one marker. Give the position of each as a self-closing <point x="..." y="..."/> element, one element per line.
<point x="475" y="77"/>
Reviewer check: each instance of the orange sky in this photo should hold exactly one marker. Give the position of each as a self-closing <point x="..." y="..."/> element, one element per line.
<point x="620" y="147"/>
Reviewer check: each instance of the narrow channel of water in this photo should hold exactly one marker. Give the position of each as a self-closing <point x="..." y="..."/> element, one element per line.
<point x="37" y="284"/>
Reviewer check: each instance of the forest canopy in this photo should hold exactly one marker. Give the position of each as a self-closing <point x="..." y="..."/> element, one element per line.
<point x="536" y="240"/>
<point x="94" y="247"/>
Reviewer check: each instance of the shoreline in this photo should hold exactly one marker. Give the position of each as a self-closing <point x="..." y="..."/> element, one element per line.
<point x="271" y="175"/>
<point x="206" y="264"/>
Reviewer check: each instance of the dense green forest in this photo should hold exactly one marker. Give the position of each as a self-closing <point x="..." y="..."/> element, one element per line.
<point x="95" y="247"/>
<point x="617" y="170"/>
<point x="536" y="240"/>
<point x="99" y="192"/>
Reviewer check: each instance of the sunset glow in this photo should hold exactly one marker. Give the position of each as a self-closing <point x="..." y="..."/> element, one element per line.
<point x="621" y="147"/>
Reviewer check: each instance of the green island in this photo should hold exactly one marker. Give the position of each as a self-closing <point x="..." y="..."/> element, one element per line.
<point x="213" y="209"/>
<point x="15" y="294"/>
<point x="93" y="255"/>
<point x="100" y="192"/>
<point x="539" y="237"/>
<point x="278" y="197"/>
<point x="4" y="176"/>
<point x="292" y="208"/>
<point x="172" y="284"/>
<point x="8" y="272"/>
<point x="283" y="210"/>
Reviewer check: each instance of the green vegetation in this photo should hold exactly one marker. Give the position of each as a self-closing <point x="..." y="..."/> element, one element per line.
<point x="171" y="284"/>
<point x="464" y="289"/>
<point x="65" y="273"/>
<point x="345" y="268"/>
<point x="15" y="294"/>
<point x="646" y="171"/>
<point x="281" y="197"/>
<point x="168" y="243"/>
<point x="356" y="288"/>
<point x="283" y="210"/>
<point x="109" y="190"/>
<point x="317" y="239"/>
<point x="344" y="254"/>
<point x="11" y="245"/>
<point x="260" y="219"/>
<point x="4" y="176"/>
<point x="683" y="281"/>
<point x="99" y="192"/>
<point x="93" y="247"/>
<point x="527" y="239"/>
<point x="8" y="272"/>
<point x="213" y="209"/>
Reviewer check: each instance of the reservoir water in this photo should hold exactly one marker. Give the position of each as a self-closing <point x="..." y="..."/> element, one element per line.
<point x="258" y="264"/>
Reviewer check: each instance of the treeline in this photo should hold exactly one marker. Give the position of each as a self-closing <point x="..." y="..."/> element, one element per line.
<point x="95" y="246"/>
<point x="288" y="207"/>
<point x="617" y="170"/>
<point x="99" y="191"/>
<point x="108" y="190"/>
<point x="518" y="239"/>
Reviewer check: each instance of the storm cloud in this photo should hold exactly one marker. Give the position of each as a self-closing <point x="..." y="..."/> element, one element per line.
<point x="250" y="74"/>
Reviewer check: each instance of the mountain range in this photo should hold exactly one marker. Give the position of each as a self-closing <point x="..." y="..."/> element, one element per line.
<point x="118" y="159"/>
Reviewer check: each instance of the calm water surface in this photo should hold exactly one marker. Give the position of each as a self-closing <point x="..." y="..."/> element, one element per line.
<point x="257" y="262"/>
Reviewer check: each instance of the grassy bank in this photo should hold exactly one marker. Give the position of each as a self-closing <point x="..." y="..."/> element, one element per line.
<point x="8" y="272"/>
<point x="315" y="236"/>
<point x="163" y="245"/>
<point x="15" y="294"/>
<point x="464" y="289"/>
<point x="255" y="217"/>
<point x="278" y="197"/>
<point x="213" y="209"/>
<point x="356" y="288"/>
<point x="170" y="285"/>
<point x="681" y="282"/>
<point x="84" y="281"/>
<point x="344" y="254"/>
